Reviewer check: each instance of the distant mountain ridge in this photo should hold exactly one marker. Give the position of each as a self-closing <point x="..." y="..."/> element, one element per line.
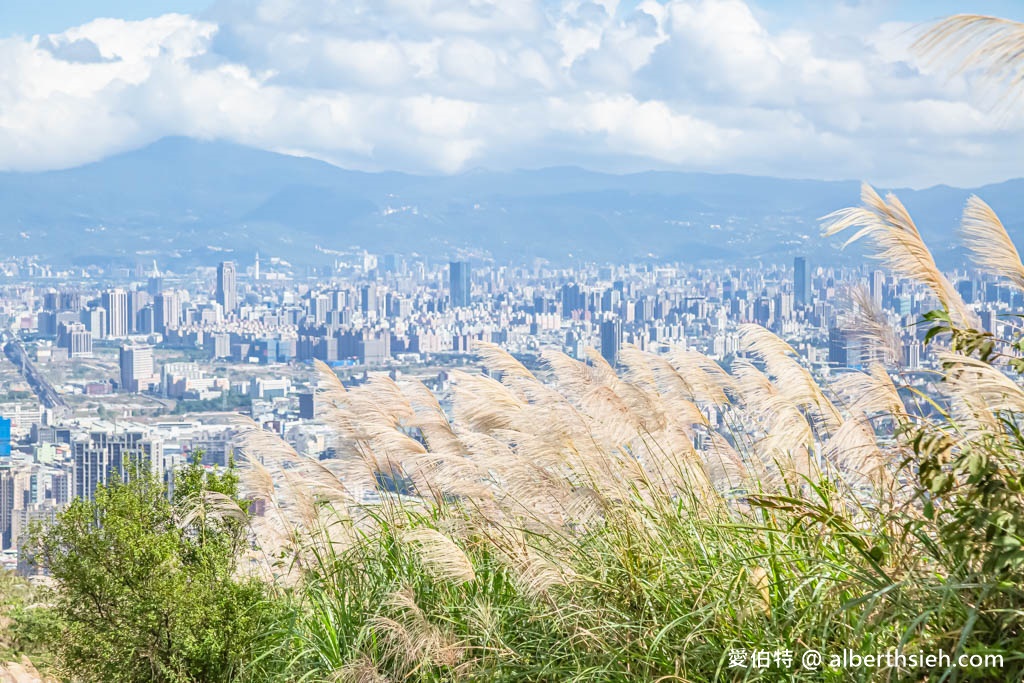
<point x="182" y="200"/>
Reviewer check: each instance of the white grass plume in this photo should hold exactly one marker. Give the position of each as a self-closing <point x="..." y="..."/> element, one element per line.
<point x="898" y="244"/>
<point x="440" y="555"/>
<point x="990" y="246"/>
<point x="872" y="327"/>
<point x="975" y="41"/>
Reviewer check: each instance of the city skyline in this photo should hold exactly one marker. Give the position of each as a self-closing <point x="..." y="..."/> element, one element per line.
<point x="103" y="393"/>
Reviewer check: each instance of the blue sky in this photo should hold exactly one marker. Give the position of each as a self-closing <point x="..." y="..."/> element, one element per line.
<point x="27" y="18"/>
<point x="795" y="88"/>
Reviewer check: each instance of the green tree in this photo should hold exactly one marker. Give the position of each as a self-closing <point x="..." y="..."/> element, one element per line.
<point x="147" y="588"/>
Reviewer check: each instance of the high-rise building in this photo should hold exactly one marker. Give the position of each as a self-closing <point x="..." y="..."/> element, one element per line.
<point x="115" y="303"/>
<point x="783" y="306"/>
<point x="227" y="287"/>
<point x="877" y="287"/>
<point x="97" y="456"/>
<point x="136" y="367"/>
<point x="611" y="341"/>
<point x="573" y="300"/>
<point x="137" y="300"/>
<point x="6" y="506"/>
<point x="307" y="405"/>
<point x="966" y="290"/>
<point x="912" y="355"/>
<point x="5" y="441"/>
<point x="392" y="263"/>
<point x="845" y="348"/>
<point x="801" y="282"/>
<point x="95" y="320"/>
<point x="166" y="312"/>
<point x="988" y="320"/>
<point x="764" y="311"/>
<point x="75" y="338"/>
<point x="368" y="299"/>
<point x="459" y="284"/>
<point x="222" y="345"/>
<point x="62" y="301"/>
<point x="319" y="305"/>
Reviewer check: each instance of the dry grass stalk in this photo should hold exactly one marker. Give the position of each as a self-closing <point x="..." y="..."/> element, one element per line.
<point x="974" y="41"/>
<point x="990" y="246"/>
<point x="899" y="245"/>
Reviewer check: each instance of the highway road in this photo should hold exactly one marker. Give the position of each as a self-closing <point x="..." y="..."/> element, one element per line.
<point x="44" y="390"/>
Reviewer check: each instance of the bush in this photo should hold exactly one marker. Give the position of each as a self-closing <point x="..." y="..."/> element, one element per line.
<point x="146" y="590"/>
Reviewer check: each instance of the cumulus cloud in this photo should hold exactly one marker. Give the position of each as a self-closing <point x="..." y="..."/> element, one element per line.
<point x="447" y="85"/>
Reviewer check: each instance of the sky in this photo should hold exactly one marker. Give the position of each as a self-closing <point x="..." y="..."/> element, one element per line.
<point x="826" y="89"/>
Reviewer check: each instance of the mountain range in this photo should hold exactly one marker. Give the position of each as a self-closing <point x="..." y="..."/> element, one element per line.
<point x="181" y="201"/>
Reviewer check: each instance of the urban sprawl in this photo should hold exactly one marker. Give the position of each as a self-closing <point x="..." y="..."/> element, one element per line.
<point x="104" y="367"/>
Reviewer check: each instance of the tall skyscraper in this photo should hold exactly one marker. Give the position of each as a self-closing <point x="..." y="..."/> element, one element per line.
<point x="845" y="348"/>
<point x="459" y="283"/>
<point x="227" y="287"/>
<point x="801" y="282"/>
<point x="166" y="312"/>
<point x="966" y="290"/>
<point x="319" y="305"/>
<point x="137" y="300"/>
<point x="115" y="302"/>
<point x="573" y="300"/>
<point x="368" y="299"/>
<point x="611" y="341"/>
<point x="877" y="287"/>
<point x="136" y="367"/>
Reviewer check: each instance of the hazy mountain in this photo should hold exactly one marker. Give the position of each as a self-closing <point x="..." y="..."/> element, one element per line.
<point x="183" y="200"/>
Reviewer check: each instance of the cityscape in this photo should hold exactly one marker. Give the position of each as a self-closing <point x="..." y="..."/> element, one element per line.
<point x="104" y="368"/>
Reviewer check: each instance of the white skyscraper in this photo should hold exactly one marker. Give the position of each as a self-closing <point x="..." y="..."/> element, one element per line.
<point x="115" y="302"/>
<point x="137" y="370"/>
<point x="227" y="287"/>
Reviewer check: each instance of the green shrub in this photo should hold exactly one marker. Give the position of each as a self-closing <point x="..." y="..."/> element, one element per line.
<point x="147" y="590"/>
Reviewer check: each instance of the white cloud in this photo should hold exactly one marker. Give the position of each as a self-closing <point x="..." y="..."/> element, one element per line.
<point x="445" y="85"/>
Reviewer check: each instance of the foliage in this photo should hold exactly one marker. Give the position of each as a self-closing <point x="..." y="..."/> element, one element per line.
<point x="147" y="590"/>
<point x="971" y="478"/>
<point x="583" y="524"/>
<point x="228" y="402"/>
<point x="24" y="628"/>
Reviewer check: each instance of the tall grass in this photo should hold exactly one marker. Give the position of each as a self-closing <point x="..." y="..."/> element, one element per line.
<point x="591" y="525"/>
<point x="585" y="524"/>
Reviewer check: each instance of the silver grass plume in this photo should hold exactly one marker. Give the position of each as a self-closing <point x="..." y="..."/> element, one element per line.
<point x="975" y="41"/>
<point x="871" y="325"/>
<point x="791" y="379"/>
<point x="986" y="239"/>
<point x="440" y="555"/>
<point x="898" y="244"/>
<point x="871" y="393"/>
